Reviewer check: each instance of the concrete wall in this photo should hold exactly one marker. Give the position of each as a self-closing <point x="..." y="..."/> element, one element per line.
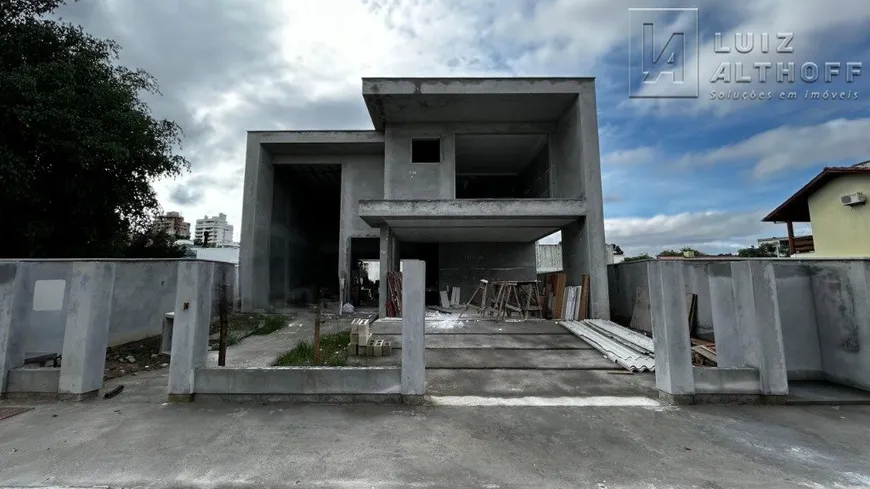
<point x="838" y="230"/>
<point x="406" y="180"/>
<point x="144" y="290"/>
<point x="299" y="380"/>
<point x="464" y="264"/>
<point x="535" y="177"/>
<point x="821" y="306"/>
<point x="362" y="178"/>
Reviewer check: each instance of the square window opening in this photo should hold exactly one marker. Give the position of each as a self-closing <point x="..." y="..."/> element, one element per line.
<point x="426" y="150"/>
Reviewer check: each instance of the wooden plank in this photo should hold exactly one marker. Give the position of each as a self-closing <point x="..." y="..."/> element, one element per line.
<point x="445" y="300"/>
<point x="706" y="353"/>
<point x="584" y="299"/>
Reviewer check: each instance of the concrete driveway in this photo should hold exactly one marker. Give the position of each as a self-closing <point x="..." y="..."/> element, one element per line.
<point x="533" y="358"/>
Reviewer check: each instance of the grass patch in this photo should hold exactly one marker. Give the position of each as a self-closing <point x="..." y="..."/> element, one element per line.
<point x="333" y="348"/>
<point x="272" y="323"/>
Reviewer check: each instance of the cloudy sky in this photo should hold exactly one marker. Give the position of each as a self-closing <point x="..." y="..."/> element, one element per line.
<point x="677" y="172"/>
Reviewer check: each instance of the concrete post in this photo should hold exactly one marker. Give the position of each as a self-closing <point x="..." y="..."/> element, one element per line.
<point x="11" y="344"/>
<point x="729" y="353"/>
<point x="87" y="329"/>
<point x="670" y="318"/>
<point x="387" y="260"/>
<point x="758" y="324"/>
<point x="193" y="302"/>
<point x="413" y="330"/>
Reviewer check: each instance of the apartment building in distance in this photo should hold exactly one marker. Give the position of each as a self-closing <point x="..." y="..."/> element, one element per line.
<point x="174" y="224"/>
<point x="220" y="232"/>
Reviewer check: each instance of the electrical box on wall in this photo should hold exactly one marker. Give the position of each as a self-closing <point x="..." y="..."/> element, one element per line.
<point x="853" y="199"/>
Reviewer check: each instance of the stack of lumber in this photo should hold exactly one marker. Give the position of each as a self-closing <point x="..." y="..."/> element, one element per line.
<point x="703" y="353"/>
<point x="394" y="294"/>
<point x="554" y="291"/>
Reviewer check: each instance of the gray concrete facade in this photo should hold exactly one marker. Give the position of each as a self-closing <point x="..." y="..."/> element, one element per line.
<point x="476" y="193"/>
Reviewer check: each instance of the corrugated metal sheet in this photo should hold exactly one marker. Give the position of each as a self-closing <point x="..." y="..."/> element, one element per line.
<point x="548" y="257"/>
<point x="622" y="334"/>
<point x="624" y="355"/>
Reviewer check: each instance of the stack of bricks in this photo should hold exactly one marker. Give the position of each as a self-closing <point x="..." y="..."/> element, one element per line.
<point x="362" y="344"/>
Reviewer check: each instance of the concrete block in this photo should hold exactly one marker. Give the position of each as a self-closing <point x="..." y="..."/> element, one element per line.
<point x="377" y="348"/>
<point x="370" y="348"/>
<point x="87" y="328"/>
<point x="387" y="349"/>
<point x="354" y="338"/>
<point x="32" y="380"/>
<point x="361" y="350"/>
<point x="351" y="349"/>
<point x="413" y="328"/>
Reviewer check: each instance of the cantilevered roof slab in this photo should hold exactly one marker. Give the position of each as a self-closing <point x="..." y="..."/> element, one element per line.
<point x="472" y="220"/>
<point x="421" y="100"/>
<point x="320" y="142"/>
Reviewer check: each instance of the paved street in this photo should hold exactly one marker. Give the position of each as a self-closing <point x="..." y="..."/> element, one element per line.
<point x="131" y="442"/>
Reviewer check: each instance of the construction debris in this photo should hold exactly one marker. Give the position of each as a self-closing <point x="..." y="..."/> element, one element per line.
<point x="633" y="351"/>
<point x="703" y="353"/>
<point x="394" y="294"/>
<point x="361" y="343"/>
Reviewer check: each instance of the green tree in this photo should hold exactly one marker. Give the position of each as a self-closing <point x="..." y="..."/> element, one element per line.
<point x="670" y="253"/>
<point x="153" y="243"/>
<point x="78" y="149"/>
<point x="766" y="250"/>
<point x="642" y="256"/>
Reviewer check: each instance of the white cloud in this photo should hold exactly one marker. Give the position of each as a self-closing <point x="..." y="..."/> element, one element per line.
<point x="710" y="232"/>
<point x="643" y="154"/>
<point x="794" y="147"/>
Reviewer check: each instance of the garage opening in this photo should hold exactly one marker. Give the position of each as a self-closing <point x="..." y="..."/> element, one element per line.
<point x="502" y="166"/>
<point x="306" y="214"/>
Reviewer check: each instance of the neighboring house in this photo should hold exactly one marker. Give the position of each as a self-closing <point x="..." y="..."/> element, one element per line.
<point x="465" y="174"/>
<point x="802" y="244"/>
<point x="220" y="232"/>
<point x="834" y="203"/>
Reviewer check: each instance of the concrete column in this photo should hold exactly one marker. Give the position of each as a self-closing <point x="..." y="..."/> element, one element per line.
<point x="413" y="330"/>
<point x="11" y="337"/>
<point x="592" y="229"/>
<point x="758" y="323"/>
<point x="254" y="253"/>
<point x="193" y="301"/>
<point x="87" y="329"/>
<point x="578" y="259"/>
<point x="387" y="264"/>
<point x="670" y="318"/>
<point x="729" y="353"/>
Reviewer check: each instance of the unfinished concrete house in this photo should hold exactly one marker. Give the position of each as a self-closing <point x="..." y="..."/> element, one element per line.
<point x="465" y="174"/>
